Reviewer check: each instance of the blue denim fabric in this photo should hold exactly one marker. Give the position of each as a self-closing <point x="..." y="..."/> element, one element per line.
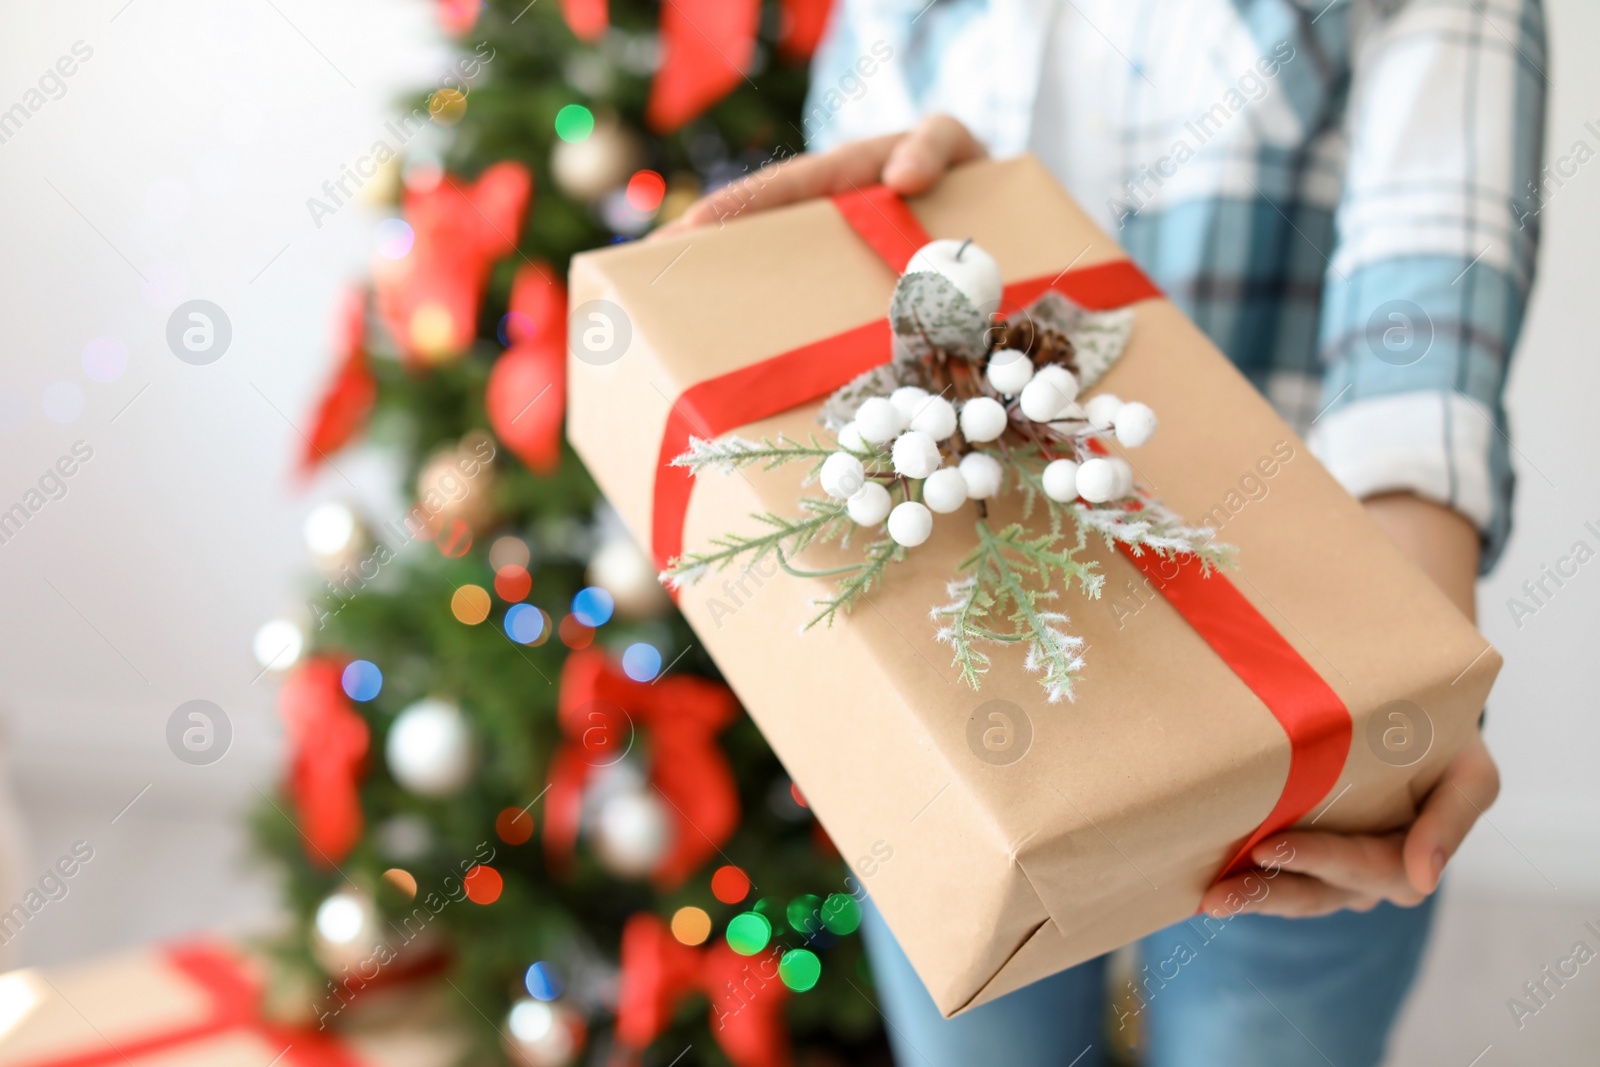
<point x="1253" y="991"/>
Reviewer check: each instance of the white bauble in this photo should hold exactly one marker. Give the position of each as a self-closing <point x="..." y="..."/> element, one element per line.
<point x="916" y="455"/>
<point x="541" y="1034"/>
<point x="1097" y="480"/>
<point x="935" y="417"/>
<point x="877" y="420"/>
<point x="278" y="644"/>
<point x="983" y="419"/>
<point x="1124" y="478"/>
<point x="346" y="931"/>
<point x="945" y="490"/>
<point x="590" y="168"/>
<point x="1041" y="401"/>
<point x="869" y="506"/>
<point x="1064" y="381"/>
<point x="1102" y="410"/>
<point x="842" y="475"/>
<point x="620" y="568"/>
<point x="851" y="438"/>
<point x="906" y="400"/>
<point x="910" y="523"/>
<point x="1135" y="424"/>
<point x="631" y="834"/>
<point x="1009" y="370"/>
<point x="430" y="749"/>
<point x="983" y="475"/>
<point x="1061" y="480"/>
<point x="969" y="268"/>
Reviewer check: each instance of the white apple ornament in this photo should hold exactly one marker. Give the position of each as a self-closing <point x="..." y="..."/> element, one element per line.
<point x="969" y="268"/>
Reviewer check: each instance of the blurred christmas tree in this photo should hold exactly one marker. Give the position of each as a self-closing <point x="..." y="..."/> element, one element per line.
<point x="508" y="760"/>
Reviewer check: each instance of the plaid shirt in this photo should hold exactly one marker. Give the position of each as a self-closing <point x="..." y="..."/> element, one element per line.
<point x="1343" y="197"/>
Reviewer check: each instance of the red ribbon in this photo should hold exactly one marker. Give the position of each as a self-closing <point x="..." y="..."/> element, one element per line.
<point x="1312" y="715"/>
<point x="526" y="398"/>
<point x="328" y="744"/>
<point x="746" y="993"/>
<point x="344" y="407"/>
<point x="234" y="999"/>
<point x="599" y="710"/>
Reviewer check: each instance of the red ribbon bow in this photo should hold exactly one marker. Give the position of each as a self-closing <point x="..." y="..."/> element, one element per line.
<point x="747" y="997"/>
<point x="328" y="744"/>
<point x="527" y="393"/>
<point x="599" y="708"/>
<point x="348" y="400"/>
<point x="428" y="298"/>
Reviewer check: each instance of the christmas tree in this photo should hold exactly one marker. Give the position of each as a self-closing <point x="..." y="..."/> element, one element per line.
<point x="509" y="764"/>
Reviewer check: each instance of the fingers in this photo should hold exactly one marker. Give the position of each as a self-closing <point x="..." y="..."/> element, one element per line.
<point x="1470" y="784"/>
<point x="1290" y="896"/>
<point x="921" y="157"/>
<point x="1367" y="865"/>
<point x="909" y="163"/>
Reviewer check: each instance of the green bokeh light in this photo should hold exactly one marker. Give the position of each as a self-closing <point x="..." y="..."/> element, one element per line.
<point x="574" y="122"/>
<point x="748" y="933"/>
<point x="802" y="914"/>
<point x="800" y="969"/>
<point x="841" y="914"/>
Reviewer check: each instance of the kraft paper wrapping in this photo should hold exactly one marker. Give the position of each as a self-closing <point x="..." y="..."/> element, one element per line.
<point x="1126" y="802"/>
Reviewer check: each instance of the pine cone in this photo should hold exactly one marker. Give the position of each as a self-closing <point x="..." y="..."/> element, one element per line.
<point x="1020" y="335"/>
<point x="1055" y="347"/>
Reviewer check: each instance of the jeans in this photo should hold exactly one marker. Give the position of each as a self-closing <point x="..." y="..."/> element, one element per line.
<point x="1253" y="990"/>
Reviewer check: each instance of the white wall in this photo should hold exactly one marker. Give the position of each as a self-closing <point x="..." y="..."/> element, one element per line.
<point x="184" y="150"/>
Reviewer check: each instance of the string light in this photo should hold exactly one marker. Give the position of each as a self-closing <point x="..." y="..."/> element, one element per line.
<point x="641" y="662"/>
<point x="645" y="190"/>
<point x="593" y="606"/>
<point x="575" y="634"/>
<point x="470" y="604"/>
<point x="691" y="925"/>
<point x="483" y="884"/>
<point x="730" y="885"/>
<point x="574" y="123"/>
<point x="513" y="583"/>
<point x="402" y="880"/>
<point x="514" y="826"/>
<point x="799" y="968"/>
<point x="748" y="933"/>
<point x="362" y="680"/>
<point x="543" y="982"/>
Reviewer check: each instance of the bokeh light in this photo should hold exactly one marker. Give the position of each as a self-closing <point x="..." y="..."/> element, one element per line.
<point x="105" y="358"/>
<point x="574" y="122"/>
<point x="447" y="106"/>
<point x="730" y="885"/>
<point x="514" y="326"/>
<point x="593" y="606"/>
<point x="804" y="915"/>
<point x="278" y="644"/>
<point x="513" y="583"/>
<point x="483" y="884"/>
<point x="524" y="623"/>
<point x="543" y="982"/>
<point x="455" y="540"/>
<point x="575" y="634"/>
<point x="800" y="969"/>
<point x="641" y="662"/>
<point x="392" y="238"/>
<point x="645" y="190"/>
<point x="748" y="933"/>
<point x="330" y="528"/>
<point x="841" y="913"/>
<point x="691" y="925"/>
<point x="470" y="604"/>
<point x="514" y="826"/>
<point x="402" y="880"/>
<point x="362" y="680"/>
<point x="508" y="551"/>
<point x="432" y="330"/>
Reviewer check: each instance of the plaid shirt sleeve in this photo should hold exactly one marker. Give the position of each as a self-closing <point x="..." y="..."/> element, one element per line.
<point x="1436" y="230"/>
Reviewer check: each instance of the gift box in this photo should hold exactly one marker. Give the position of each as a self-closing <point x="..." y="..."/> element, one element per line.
<point x="1323" y="680"/>
<point x="182" y="1006"/>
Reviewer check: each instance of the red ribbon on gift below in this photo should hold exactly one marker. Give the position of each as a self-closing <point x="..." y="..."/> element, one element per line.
<point x="1312" y="715"/>
<point x="746" y="993"/>
<point x="233" y="1005"/>
<point x="328" y="742"/>
<point x="599" y="709"/>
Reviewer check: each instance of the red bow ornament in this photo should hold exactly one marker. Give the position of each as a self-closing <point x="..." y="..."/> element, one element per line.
<point x="747" y="996"/>
<point x="428" y="298"/>
<point x="328" y="744"/>
<point x="345" y="405"/>
<point x="527" y="393"/>
<point x="599" y="710"/>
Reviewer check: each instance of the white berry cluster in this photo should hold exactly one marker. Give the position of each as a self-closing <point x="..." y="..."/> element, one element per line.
<point x="916" y="429"/>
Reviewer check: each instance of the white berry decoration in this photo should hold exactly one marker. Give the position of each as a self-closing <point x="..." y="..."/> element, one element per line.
<point x="842" y="475"/>
<point x="1102" y="410"/>
<point x="1097" y="480"/>
<point x="983" y="475"/>
<point x="1124" y="478"/>
<point x="906" y="400"/>
<point x="851" y="438"/>
<point x="1135" y="424"/>
<point x="869" y="506"/>
<point x="1009" y="370"/>
<point x="1041" y="401"/>
<point x="1061" y="480"/>
<point x="1064" y="381"/>
<point x="936" y="417"/>
<point x="983" y="419"/>
<point x="916" y="454"/>
<point x="877" y="421"/>
<point x="969" y="268"/>
<point x="910" y="523"/>
<point x="945" y="490"/>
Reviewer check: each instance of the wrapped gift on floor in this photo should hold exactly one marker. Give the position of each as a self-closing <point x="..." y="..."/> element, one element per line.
<point x="183" y="1006"/>
<point x="1004" y="833"/>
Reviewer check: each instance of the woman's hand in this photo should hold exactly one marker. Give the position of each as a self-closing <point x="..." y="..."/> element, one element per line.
<point x="1310" y="872"/>
<point x="909" y="163"/>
